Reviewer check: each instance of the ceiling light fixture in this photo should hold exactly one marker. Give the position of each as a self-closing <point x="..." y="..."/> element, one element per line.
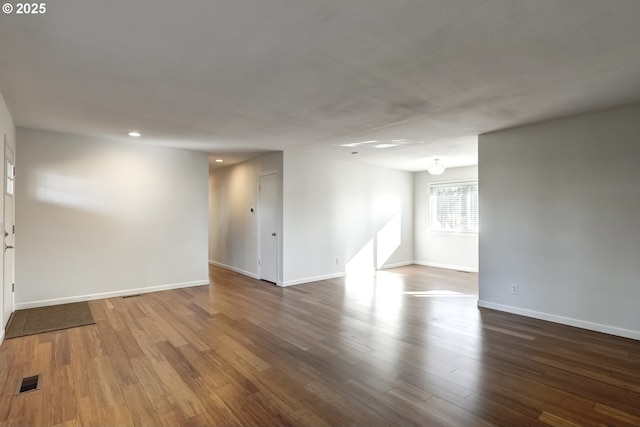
<point x="385" y="145"/>
<point x="134" y="134"/>
<point x="219" y="160"/>
<point x="436" y="168"/>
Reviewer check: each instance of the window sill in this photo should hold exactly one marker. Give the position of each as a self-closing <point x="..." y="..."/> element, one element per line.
<point x="452" y="233"/>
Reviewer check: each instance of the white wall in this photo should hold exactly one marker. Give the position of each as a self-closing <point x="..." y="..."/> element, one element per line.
<point x="454" y="251"/>
<point x="560" y="212"/>
<point x="233" y="228"/>
<point x="98" y="218"/>
<point x="6" y="128"/>
<point x="343" y="210"/>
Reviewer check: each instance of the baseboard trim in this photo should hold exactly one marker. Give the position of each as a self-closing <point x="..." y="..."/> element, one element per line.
<point x="598" y="327"/>
<point x="234" y="269"/>
<point x="336" y="275"/>
<point x="447" y="266"/>
<point x="103" y="295"/>
<point x="340" y="274"/>
<point x="396" y="265"/>
<point x="313" y="279"/>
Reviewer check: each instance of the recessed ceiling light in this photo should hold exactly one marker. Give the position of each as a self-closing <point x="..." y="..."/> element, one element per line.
<point x="134" y="134"/>
<point x="385" y="145"/>
<point x="353" y="144"/>
<point x="219" y="160"/>
<point x="400" y="141"/>
<point x="369" y="142"/>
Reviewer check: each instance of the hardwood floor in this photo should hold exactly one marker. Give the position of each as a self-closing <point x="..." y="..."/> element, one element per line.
<point x="408" y="347"/>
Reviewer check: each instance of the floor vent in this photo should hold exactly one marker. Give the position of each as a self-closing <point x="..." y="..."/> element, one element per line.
<point x="131" y="296"/>
<point x="29" y="384"/>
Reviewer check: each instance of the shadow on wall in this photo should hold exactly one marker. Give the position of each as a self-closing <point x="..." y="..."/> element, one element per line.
<point x="67" y="191"/>
<point x="375" y="253"/>
<point x="120" y="195"/>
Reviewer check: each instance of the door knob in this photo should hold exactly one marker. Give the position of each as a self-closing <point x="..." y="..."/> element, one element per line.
<point x="8" y="247"/>
<point x="273" y="234"/>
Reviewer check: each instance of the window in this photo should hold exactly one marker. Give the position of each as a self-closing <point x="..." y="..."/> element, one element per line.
<point x="454" y="207"/>
<point x="10" y="177"/>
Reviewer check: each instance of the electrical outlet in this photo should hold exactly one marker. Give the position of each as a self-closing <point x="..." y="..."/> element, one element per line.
<point x="515" y="289"/>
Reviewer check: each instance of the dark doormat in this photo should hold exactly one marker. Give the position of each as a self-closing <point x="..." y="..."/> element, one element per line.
<point x="45" y="319"/>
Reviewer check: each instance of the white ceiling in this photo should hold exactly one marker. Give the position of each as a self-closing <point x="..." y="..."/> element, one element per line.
<point x="240" y="77"/>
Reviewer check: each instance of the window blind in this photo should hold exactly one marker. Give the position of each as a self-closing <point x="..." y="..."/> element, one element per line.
<point x="454" y="207"/>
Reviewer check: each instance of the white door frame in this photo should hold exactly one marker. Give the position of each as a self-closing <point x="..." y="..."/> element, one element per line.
<point x="278" y="213"/>
<point x="9" y="227"/>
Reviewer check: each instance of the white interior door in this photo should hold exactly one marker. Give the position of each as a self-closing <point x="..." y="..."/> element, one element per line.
<point x="268" y="227"/>
<point x="9" y="233"/>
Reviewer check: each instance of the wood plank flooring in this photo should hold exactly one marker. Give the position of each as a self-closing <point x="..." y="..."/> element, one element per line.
<point x="407" y="347"/>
